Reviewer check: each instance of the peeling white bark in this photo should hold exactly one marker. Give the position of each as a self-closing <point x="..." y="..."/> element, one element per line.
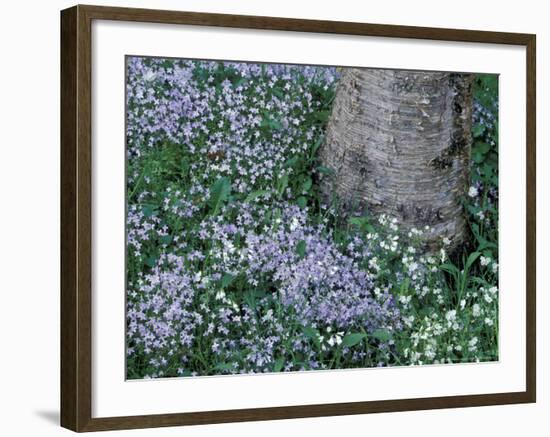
<point x="399" y="143"/>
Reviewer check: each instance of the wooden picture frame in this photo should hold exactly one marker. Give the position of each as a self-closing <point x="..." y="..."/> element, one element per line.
<point x="76" y="218"/>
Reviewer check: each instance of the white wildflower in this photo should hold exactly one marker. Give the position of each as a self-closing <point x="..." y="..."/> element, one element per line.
<point x="424" y="291"/>
<point x="450" y="315"/>
<point x="335" y="340"/>
<point x="373" y="264"/>
<point x="484" y="261"/>
<point x="149" y="75"/>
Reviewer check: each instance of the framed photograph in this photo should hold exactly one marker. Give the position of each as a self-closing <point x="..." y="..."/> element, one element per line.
<point x="268" y="218"/>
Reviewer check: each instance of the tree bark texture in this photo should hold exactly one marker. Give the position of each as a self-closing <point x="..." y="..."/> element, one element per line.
<point x="399" y="143"/>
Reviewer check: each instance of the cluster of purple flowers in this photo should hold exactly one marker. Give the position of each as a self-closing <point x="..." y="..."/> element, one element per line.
<point x="246" y="127"/>
<point x="188" y="124"/>
<point x="320" y="283"/>
<point x="285" y="291"/>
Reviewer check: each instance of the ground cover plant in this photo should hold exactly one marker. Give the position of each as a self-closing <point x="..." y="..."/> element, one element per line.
<point x="237" y="263"/>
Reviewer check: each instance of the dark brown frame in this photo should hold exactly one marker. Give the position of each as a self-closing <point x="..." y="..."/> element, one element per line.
<point x="76" y="218"/>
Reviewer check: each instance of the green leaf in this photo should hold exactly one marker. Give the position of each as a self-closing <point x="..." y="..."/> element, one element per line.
<point x="449" y="268"/>
<point x="370" y="228"/>
<point x="224" y="366"/>
<point x="166" y="239"/>
<point x="270" y="123"/>
<point x="255" y="194"/>
<point x="282" y="184"/>
<point x="382" y="334"/>
<point x="488" y="169"/>
<point x="278" y="93"/>
<point x="403" y="290"/>
<point x="250" y="299"/>
<point x="301" y="249"/>
<point x="227" y="279"/>
<point x="322" y="116"/>
<point x="278" y="365"/>
<point x="148" y="210"/>
<point x="276" y="218"/>
<point x="362" y="222"/>
<point x="252" y="296"/>
<point x="240" y="82"/>
<point x="471" y="259"/>
<point x="492" y="158"/>
<point x="316" y="146"/>
<point x="302" y="202"/>
<point x="185" y="166"/>
<point x="477" y="157"/>
<point x="486" y="245"/>
<point x="358" y="221"/>
<point x="307" y="184"/>
<point x="325" y="170"/>
<point x="311" y="333"/>
<point x="478" y="130"/>
<point x="276" y="125"/>
<point x="350" y="340"/>
<point x="219" y="193"/>
<point x="291" y="162"/>
<point x="481" y="147"/>
<point x="151" y="261"/>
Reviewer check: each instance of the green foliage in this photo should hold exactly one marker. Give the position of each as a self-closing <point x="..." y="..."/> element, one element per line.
<point x="301" y="249"/>
<point x="219" y="193"/>
<point x="353" y="339"/>
<point x="483" y="209"/>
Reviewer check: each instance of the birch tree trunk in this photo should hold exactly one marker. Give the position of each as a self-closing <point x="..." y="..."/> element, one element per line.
<point x="399" y="143"/>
